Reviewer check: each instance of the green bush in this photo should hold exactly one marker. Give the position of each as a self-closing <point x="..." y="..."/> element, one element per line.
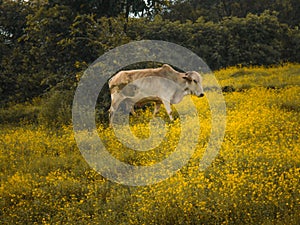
<point x="56" y="109"/>
<point x="252" y="40"/>
<point x="17" y="113"/>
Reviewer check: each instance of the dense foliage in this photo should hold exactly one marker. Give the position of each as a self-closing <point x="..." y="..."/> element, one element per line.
<point x="216" y="10"/>
<point x="45" y="45"/>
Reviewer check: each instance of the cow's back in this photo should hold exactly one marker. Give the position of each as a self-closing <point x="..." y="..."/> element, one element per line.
<point x="122" y="78"/>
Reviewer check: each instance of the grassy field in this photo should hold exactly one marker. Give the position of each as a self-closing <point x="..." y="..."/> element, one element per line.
<point x="255" y="179"/>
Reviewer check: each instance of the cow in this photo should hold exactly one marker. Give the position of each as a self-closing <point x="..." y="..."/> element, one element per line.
<point x="162" y="85"/>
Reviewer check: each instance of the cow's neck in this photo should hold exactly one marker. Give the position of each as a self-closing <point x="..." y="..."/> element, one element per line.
<point x="178" y="95"/>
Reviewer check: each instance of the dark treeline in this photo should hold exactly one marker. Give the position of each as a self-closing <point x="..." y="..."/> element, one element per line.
<point x="45" y="45"/>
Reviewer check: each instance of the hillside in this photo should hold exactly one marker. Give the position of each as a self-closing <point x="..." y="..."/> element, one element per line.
<point x="253" y="180"/>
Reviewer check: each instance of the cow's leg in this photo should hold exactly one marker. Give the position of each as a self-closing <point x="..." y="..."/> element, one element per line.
<point x="132" y="111"/>
<point x="168" y="109"/>
<point x="111" y="115"/>
<point x="116" y="100"/>
<point x="112" y="109"/>
<point x="156" y="108"/>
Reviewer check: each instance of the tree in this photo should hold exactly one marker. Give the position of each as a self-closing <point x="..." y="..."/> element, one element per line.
<point x="112" y="8"/>
<point x="12" y="27"/>
<point x="216" y="10"/>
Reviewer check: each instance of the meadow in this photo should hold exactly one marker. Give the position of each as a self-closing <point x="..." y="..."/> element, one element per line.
<point x="255" y="179"/>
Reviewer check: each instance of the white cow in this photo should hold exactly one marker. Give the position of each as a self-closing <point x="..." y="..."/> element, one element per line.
<point x="162" y="85"/>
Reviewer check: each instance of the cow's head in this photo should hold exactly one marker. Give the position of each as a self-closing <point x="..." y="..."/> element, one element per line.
<point x="194" y="83"/>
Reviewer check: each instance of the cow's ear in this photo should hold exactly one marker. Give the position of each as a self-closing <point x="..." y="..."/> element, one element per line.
<point x="187" y="77"/>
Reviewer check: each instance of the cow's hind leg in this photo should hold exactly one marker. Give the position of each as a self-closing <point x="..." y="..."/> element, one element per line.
<point x="168" y="109"/>
<point x="156" y="108"/>
<point x="116" y="100"/>
<point x="111" y="115"/>
<point x="132" y="111"/>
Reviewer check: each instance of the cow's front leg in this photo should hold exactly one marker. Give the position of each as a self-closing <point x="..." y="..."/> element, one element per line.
<point x="168" y="109"/>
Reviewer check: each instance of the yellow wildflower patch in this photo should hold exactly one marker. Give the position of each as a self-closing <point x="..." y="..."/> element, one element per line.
<point x="255" y="179"/>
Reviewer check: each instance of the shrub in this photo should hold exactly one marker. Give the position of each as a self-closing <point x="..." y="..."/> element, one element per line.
<point x="19" y="113"/>
<point x="56" y="108"/>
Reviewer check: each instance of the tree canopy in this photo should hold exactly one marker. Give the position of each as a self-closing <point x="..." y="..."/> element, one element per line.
<point x="46" y="44"/>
